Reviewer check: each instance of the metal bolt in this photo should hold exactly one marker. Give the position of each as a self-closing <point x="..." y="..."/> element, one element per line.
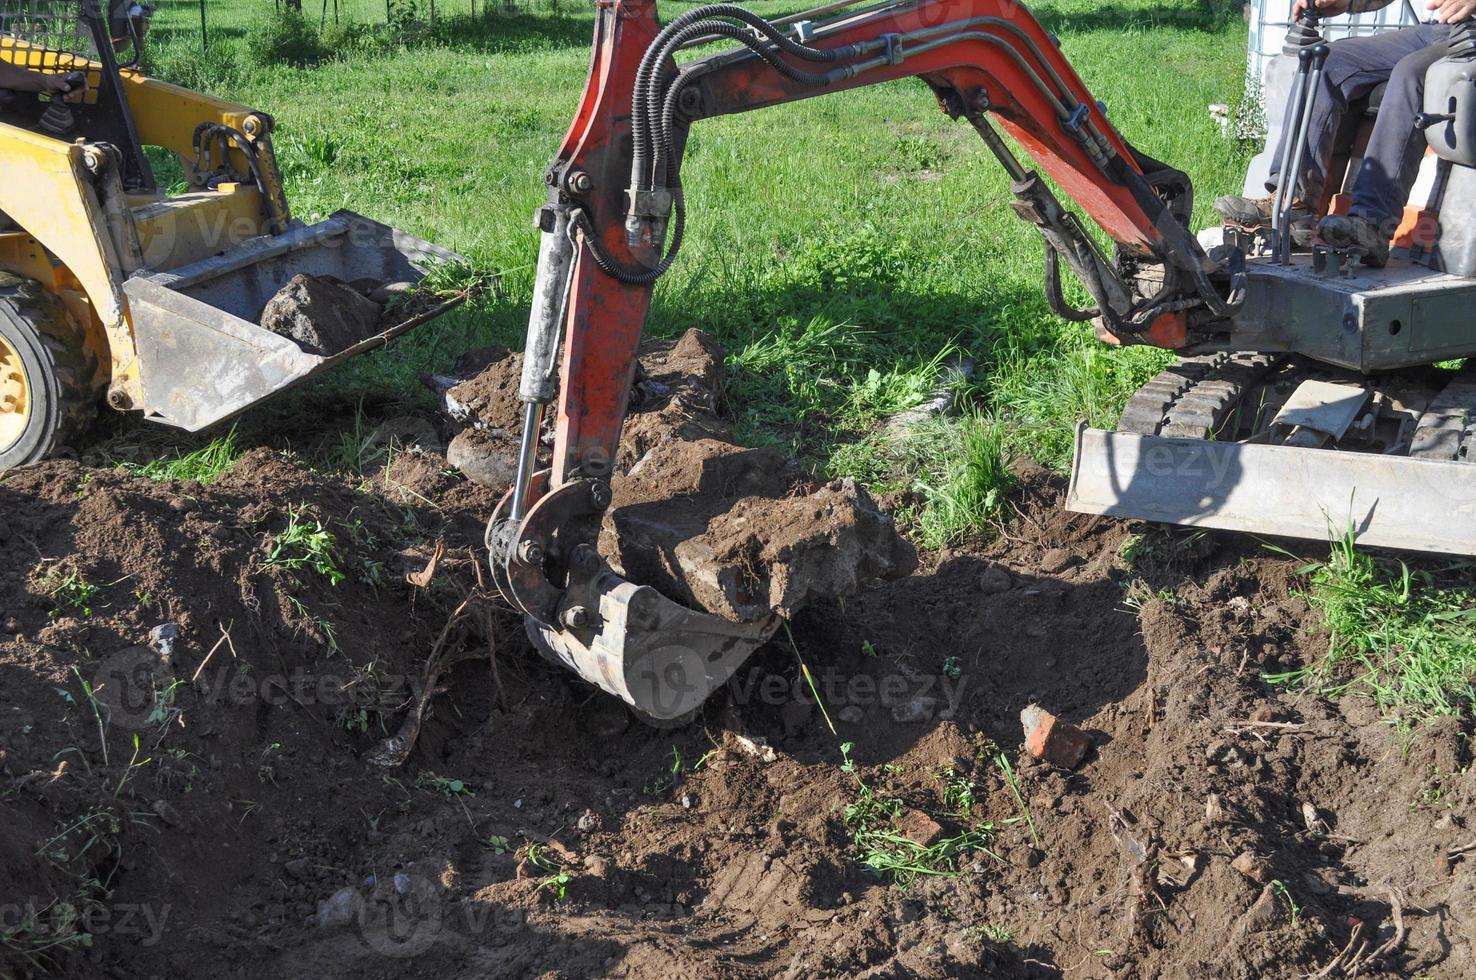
<point x="576" y="617"/>
<point x="690" y="101"/>
<point x="530" y="553"/>
<point x="119" y="400"/>
<point x="95" y="160"/>
<point x="599" y="494"/>
<point x="580" y="183"/>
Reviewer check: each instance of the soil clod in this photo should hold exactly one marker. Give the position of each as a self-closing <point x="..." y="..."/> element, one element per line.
<point x="322" y="314"/>
<point x="485" y="457"/>
<point x="1055" y="561"/>
<point x="1252" y="866"/>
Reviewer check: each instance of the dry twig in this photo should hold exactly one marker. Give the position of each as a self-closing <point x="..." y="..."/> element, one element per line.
<point x="1337" y="961"/>
<point x="225" y="638"/>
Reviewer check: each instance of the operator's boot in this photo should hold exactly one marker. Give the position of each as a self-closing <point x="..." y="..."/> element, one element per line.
<point x="1353" y="231"/>
<point x="1254" y="214"/>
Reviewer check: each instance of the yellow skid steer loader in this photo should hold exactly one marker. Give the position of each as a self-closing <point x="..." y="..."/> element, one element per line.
<point x="111" y="290"/>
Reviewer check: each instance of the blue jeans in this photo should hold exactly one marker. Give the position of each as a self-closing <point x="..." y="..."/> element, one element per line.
<point x="1355" y="66"/>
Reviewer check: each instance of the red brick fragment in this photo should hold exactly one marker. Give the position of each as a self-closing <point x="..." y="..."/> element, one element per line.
<point x="1052" y="739"/>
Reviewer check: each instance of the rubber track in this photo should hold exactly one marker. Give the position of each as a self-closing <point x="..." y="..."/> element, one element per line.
<point x="1447" y="430"/>
<point x="1194" y="397"/>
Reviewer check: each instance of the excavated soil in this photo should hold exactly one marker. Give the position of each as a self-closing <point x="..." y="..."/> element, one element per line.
<point x="226" y="804"/>
<point x="737" y="532"/>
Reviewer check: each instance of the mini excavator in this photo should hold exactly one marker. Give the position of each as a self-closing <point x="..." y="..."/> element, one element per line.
<point x="1307" y="397"/>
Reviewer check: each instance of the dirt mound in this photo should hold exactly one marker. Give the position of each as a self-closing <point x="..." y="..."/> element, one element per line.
<point x="322" y="314"/>
<point x="202" y="654"/>
<point x="204" y="801"/>
<point x="487" y="395"/>
<point x="678" y="393"/>
<point x="737" y="532"/>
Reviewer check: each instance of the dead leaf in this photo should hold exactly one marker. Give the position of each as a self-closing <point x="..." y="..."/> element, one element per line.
<point x="422" y="578"/>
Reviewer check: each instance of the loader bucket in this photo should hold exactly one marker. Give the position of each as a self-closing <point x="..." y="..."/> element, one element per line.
<point x="202" y="355"/>
<point x="1386" y="501"/>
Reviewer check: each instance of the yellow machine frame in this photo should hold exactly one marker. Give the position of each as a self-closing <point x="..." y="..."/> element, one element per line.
<point x="83" y="235"/>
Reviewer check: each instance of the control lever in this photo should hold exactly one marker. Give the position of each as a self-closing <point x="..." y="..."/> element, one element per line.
<point x="58" y="119"/>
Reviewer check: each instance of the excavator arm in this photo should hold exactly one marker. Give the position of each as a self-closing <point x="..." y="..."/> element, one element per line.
<point x="615" y="221"/>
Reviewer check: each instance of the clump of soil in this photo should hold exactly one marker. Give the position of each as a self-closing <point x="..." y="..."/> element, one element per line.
<point x="678" y="393"/>
<point x="740" y="533"/>
<point x="487" y="457"/>
<point x="322" y="314"/>
<point x="487" y="398"/>
<point x="481" y="397"/>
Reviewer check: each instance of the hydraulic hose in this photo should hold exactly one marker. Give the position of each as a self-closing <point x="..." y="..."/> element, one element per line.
<point x="656" y="104"/>
<point x="612" y="268"/>
<point x="677" y="34"/>
<point x="663" y="109"/>
<point x="654" y="113"/>
<point x="1055" y="299"/>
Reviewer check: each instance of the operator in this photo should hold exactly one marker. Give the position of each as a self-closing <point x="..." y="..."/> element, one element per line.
<point x="1354" y="67"/>
<point x="16" y="79"/>
<point x="13" y="79"/>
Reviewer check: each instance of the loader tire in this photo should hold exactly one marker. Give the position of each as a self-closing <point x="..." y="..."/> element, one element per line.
<point x="47" y="395"/>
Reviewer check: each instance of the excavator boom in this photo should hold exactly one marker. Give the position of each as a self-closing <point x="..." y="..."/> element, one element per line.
<point x="615" y="221"/>
<point x="607" y="215"/>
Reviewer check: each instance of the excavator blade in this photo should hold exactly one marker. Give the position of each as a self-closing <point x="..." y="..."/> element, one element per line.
<point x="1387" y="501"/>
<point x="661" y="658"/>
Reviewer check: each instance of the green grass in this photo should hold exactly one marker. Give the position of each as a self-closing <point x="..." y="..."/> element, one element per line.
<point x="835" y="272"/>
<point x="1406" y="638"/>
<point x="204" y="465"/>
<point x="71" y="591"/>
<point x="973" y="477"/>
<point x="884" y="851"/>
<point x="305" y="543"/>
<point x="872" y="821"/>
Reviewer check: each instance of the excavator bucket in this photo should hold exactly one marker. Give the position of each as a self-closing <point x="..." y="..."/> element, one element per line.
<point x="202" y="354"/>
<point x="659" y="657"/>
<point x="1386" y="501"/>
